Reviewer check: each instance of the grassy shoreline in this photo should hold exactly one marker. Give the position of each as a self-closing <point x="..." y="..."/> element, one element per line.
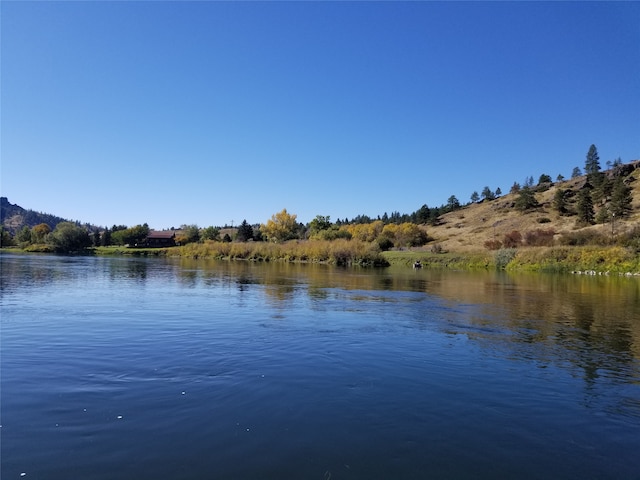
<point x="336" y="252"/>
<point x="603" y="260"/>
<point x="560" y="259"/>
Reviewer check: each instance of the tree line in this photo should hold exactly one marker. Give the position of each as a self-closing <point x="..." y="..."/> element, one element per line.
<point x="608" y="190"/>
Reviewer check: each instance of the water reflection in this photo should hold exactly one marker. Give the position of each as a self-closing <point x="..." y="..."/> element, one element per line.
<point x="590" y="325"/>
<point x="133" y="269"/>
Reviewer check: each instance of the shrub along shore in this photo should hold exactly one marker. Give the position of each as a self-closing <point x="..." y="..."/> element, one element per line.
<point x="336" y="252"/>
<point x="589" y="260"/>
<point x="561" y="259"/>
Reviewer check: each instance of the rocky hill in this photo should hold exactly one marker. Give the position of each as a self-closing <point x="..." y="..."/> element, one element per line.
<point x="14" y="217"/>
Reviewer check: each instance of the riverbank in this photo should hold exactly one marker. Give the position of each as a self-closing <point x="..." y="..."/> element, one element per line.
<point x="602" y="260"/>
<point x="336" y="252"/>
<point x="562" y="259"/>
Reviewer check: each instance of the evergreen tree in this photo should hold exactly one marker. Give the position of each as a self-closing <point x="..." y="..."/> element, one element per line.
<point x="576" y="172"/>
<point x="603" y="186"/>
<point x="544" y="178"/>
<point x="603" y="215"/>
<point x="526" y="199"/>
<point x="453" y="203"/>
<point x="487" y="194"/>
<point x="498" y="192"/>
<point x="245" y="232"/>
<point x="560" y="178"/>
<point x="105" y="240"/>
<point x="422" y="215"/>
<point x="592" y="163"/>
<point x="475" y="197"/>
<point x="585" y="206"/>
<point x="560" y="201"/>
<point x="621" y="198"/>
<point x="434" y="213"/>
<point x="515" y="188"/>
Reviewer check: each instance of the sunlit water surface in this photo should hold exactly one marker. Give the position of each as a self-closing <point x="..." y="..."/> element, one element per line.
<point x="149" y="368"/>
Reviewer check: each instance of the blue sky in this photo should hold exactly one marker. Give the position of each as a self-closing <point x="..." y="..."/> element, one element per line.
<point x="177" y="113"/>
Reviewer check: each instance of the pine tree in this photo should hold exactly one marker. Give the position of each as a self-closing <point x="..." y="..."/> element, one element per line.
<point x="544" y="178"/>
<point x="603" y="186"/>
<point x="526" y="199"/>
<point x="560" y="201"/>
<point x="453" y="203"/>
<point x="592" y="164"/>
<point x="603" y="215"/>
<point x="105" y="239"/>
<point x="487" y="194"/>
<point x="422" y="215"/>
<point x="585" y="206"/>
<point x="576" y="172"/>
<point x="621" y="198"/>
<point x="245" y="232"/>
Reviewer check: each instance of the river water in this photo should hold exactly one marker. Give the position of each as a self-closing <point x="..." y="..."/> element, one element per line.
<point x="134" y="368"/>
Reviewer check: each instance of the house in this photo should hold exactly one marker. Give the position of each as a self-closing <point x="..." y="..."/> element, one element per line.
<point x="164" y="238"/>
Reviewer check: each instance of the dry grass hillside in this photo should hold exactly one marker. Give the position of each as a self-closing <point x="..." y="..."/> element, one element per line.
<point x="468" y="229"/>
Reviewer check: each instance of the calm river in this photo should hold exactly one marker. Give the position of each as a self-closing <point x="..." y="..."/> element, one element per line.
<point x="125" y="368"/>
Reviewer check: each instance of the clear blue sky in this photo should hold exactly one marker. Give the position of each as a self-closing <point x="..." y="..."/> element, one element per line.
<point x="177" y="113"/>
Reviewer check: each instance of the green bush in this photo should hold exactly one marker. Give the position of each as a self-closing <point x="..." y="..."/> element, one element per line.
<point x="385" y="243"/>
<point x="504" y="256"/>
<point x="68" y="238"/>
<point x="332" y="233"/>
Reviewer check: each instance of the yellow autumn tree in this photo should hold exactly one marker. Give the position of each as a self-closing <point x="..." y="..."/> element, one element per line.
<point x="39" y="232"/>
<point x="405" y="235"/>
<point x="280" y="227"/>
<point x="366" y="232"/>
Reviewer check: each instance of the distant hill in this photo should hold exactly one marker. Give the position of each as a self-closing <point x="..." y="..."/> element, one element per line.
<point x="14" y="217"/>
